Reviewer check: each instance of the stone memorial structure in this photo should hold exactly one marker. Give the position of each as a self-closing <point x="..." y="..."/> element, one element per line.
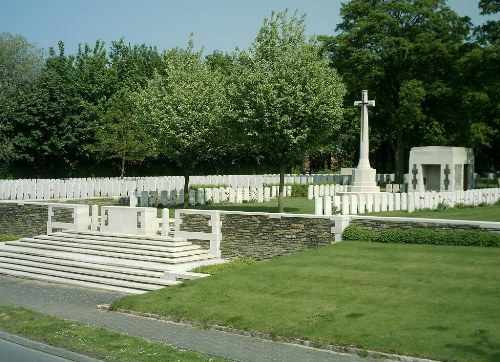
<point x="364" y="177"/>
<point x="436" y="168"/>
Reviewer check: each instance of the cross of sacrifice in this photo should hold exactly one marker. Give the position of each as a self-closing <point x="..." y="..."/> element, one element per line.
<point x="364" y="162"/>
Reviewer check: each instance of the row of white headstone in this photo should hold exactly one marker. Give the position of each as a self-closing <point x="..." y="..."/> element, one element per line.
<point x="202" y="196"/>
<point x="81" y="188"/>
<point x="314" y="191"/>
<point x="353" y="204"/>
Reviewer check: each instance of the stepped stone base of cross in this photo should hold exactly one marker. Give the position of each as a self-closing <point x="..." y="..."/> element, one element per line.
<point x="363" y="181"/>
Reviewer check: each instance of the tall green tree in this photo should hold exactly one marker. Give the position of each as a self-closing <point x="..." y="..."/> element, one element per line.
<point x="404" y="52"/>
<point x="20" y="67"/>
<point x="289" y="101"/>
<point x="183" y="111"/>
<point x="477" y="113"/>
<point x="121" y="136"/>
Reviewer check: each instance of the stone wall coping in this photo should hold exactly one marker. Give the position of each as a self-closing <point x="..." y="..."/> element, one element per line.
<point x="481" y="224"/>
<point x="280" y="215"/>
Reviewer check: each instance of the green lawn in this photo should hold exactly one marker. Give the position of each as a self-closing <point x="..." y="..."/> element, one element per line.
<point x="90" y="341"/>
<point x="421" y="300"/>
<point x="293" y="205"/>
<point x="479" y="213"/>
<point x="301" y="205"/>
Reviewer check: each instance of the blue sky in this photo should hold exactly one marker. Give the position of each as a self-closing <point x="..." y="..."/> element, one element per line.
<point x="216" y="24"/>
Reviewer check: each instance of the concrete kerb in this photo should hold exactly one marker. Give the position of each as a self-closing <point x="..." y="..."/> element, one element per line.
<point x="72" y="356"/>
<point x="280" y="339"/>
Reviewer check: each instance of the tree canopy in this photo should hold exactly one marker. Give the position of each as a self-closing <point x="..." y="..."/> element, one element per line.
<point x="403" y="51"/>
<point x="288" y="100"/>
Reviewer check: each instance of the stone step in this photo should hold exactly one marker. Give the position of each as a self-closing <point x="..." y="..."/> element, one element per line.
<point x="76" y="275"/>
<point x="167" y="247"/>
<point x="133" y="239"/>
<point x="77" y="272"/>
<point x="41" y="258"/>
<point x="74" y="249"/>
<point x="81" y="283"/>
<point x="77" y="246"/>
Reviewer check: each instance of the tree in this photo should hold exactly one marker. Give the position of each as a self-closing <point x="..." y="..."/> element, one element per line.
<point x="478" y="112"/>
<point x="20" y="67"/>
<point x="183" y="111"/>
<point x="404" y="52"/>
<point x="120" y="136"/>
<point x="289" y="101"/>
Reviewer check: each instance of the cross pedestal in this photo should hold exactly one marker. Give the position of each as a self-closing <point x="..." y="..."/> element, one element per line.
<point x="364" y="177"/>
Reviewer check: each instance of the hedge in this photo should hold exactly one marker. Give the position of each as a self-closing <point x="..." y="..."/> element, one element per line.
<point x="423" y="236"/>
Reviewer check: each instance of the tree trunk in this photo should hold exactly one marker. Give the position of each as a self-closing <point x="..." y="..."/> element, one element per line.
<point x="122" y="170"/>
<point x="399" y="161"/>
<point x="281" y="207"/>
<point x="186" y="189"/>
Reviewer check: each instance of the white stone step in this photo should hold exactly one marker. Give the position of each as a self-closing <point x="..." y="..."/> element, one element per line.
<point x="167" y="259"/>
<point x="104" y="250"/>
<point x="133" y="239"/>
<point x="111" y="278"/>
<point x="127" y="237"/>
<point x="53" y="279"/>
<point x="118" y="243"/>
<point x="123" y="272"/>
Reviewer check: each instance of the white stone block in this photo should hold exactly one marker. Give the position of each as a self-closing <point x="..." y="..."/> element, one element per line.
<point x="239" y="195"/>
<point x="316" y="191"/>
<point x="327" y="207"/>
<point x="260" y="194"/>
<point x="267" y="194"/>
<point x="318" y="206"/>
<point x="310" y="192"/>
<point x="384" y="201"/>
<point x="370" y="206"/>
<point x="346" y="207"/>
<point x="246" y="194"/>
<point x="216" y="197"/>
<point x="377" y="202"/>
<point x="232" y="195"/>
<point x="200" y="196"/>
<point x="397" y="201"/>
<point x="390" y="202"/>
<point x="353" y="200"/>
<point x="361" y="203"/>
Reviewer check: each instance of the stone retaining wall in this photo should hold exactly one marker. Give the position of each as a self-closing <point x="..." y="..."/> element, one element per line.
<point x="28" y="219"/>
<point x="381" y="224"/>
<point x="261" y="235"/>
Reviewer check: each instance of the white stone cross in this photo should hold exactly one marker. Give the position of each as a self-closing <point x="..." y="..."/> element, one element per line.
<point x="364" y="162"/>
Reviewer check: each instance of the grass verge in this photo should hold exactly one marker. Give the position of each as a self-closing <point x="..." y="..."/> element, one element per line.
<point x="90" y="341"/>
<point x="8" y="237"/>
<point x="478" y="213"/>
<point x="430" y="301"/>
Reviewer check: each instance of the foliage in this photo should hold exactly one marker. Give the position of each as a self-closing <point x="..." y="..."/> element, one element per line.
<point x="88" y="340"/>
<point x="20" y="66"/>
<point x="120" y="135"/>
<point x="183" y="111"/>
<point x="436" y="302"/>
<point x="287" y="98"/>
<point x="423" y="236"/>
<point x="404" y="53"/>
<point x="224" y="267"/>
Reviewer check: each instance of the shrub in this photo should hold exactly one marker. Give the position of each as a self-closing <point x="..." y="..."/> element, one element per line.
<point x="423" y="236"/>
<point x="8" y="237"/>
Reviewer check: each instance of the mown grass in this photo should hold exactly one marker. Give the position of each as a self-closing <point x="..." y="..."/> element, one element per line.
<point x="478" y="213"/>
<point x="293" y="205"/>
<point x="8" y="237"/>
<point x="90" y="341"/>
<point x="224" y="267"/>
<point x="430" y="301"/>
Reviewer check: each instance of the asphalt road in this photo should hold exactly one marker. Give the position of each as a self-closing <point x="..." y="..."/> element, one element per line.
<point x="80" y="304"/>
